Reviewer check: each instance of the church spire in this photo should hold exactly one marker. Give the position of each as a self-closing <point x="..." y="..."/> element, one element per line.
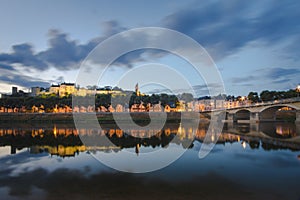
<point x="137" y="91"/>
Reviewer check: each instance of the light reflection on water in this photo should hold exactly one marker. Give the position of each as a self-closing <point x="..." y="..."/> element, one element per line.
<point x="249" y="161"/>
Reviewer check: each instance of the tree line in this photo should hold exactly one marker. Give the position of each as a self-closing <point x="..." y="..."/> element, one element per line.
<point x="49" y="102"/>
<point x="254" y="97"/>
<point x="267" y="95"/>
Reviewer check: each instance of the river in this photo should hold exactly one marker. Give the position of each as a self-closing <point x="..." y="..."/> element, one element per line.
<point x="50" y="161"/>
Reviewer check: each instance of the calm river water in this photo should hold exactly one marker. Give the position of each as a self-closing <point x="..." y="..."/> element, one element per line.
<point x="249" y="161"/>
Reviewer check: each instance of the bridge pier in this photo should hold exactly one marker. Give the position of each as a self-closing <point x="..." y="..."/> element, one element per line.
<point x="230" y="125"/>
<point x="230" y="117"/>
<point x="297" y="116"/>
<point x="254" y="126"/>
<point x="254" y="116"/>
<point x="298" y="128"/>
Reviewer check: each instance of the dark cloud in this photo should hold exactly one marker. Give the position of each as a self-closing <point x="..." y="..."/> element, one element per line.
<point x="278" y="22"/>
<point x="201" y="90"/>
<point x="282" y="76"/>
<point x="112" y="27"/>
<point x="244" y="79"/>
<point x="211" y="89"/>
<point x="198" y="90"/>
<point x="224" y="27"/>
<point x="276" y="73"/>
<point x="246" y="85"/>
<point x="292" y="51"/>
<point x="130" y="58"/>
<point x="6" y="67"/>
<point x="22" y="80"/>
<point x="159" y="91"/>
<point x="285" y="80"/>
<point x="59" y="79"/>
<point x="63" y="53"/>
<point x="23" y="54"/>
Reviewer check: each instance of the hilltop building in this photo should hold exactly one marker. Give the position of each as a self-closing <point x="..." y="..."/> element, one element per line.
<point x="35" y="91"/>
<point x="54" y="89"/>
<point x="14" y="91"/>
<point x="66" y="89"/>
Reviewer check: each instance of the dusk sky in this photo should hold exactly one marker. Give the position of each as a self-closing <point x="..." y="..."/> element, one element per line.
<point x="255" y="44"/>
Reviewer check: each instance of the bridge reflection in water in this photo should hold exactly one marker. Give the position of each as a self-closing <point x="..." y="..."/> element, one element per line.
<point x="65" y="140"/>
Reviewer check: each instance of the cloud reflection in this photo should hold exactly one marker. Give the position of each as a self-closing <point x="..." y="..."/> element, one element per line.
<point x="72" y="184"/>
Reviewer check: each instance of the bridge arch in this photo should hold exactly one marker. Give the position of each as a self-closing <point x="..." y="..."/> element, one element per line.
<point x="242" y="109"/>
<point x="269" y="112"/>
<point x="242" y="114"/>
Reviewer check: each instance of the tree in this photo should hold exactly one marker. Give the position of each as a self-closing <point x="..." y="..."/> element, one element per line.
<point x="154" y="99"/>
<point x="164" y="99"/>
<point x="267" y="95"/>
<point x="187" y="97"/>
<point x="230" y="98"/>
<point x="117" y="89"/>
<point x="253" y="97"/>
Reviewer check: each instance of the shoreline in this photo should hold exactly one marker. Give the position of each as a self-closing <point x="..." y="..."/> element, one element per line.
<point x="101" y="116"/>
<point x="108" y="117"/>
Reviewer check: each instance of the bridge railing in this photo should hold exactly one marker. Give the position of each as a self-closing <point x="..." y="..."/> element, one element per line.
<point x="264" y="103"/>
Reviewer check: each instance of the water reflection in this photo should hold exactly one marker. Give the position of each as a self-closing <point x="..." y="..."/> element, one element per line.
<point x="65" y="140"/>
<point x="71" y="184"/>
<point x="281" y="130"/>
<point x="239" y="167"/>
<point x="274" y="130"/>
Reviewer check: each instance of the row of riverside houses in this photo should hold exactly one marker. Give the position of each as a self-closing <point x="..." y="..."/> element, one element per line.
<point x="193" y="106"/>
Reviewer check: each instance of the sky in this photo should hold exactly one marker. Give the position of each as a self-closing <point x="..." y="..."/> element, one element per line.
<point x="254" y="44"/>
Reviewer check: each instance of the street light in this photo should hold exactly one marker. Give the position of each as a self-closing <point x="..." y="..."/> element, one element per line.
<point x="298" y="90"/>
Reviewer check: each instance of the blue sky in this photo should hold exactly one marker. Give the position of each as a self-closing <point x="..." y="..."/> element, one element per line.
<point x="255" y="45"/>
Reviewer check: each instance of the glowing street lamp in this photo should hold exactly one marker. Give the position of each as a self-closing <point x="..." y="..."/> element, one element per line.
<point x="242" y="100"/>
<point x="298" y="89"/>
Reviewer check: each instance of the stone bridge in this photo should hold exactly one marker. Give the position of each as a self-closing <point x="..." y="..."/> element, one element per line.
<point x="263" y="111"/>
